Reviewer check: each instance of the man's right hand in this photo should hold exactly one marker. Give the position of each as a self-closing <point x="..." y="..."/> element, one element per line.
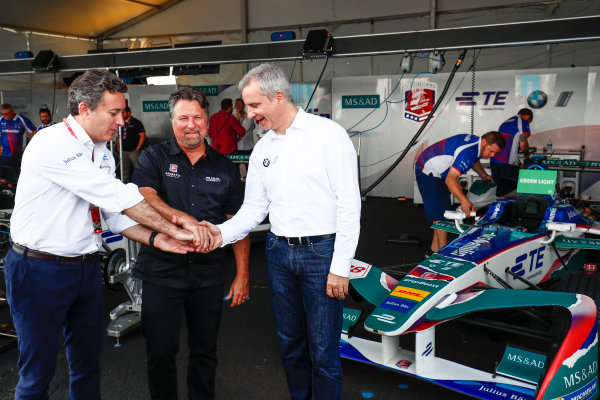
<point x="216" y="235"/>
<point x="201" y="236"/>
<point x="466" y="207"/>
<point x="167" y="243"/>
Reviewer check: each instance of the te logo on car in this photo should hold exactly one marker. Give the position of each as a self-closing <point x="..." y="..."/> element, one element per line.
<point x="536" y="260"/>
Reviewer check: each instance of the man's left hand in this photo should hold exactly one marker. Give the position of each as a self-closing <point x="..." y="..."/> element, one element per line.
<point x="488" y="178"/>
<point x="239" y="291"/>
<point x="167" y="243"/>
<point x="337" y="286"/>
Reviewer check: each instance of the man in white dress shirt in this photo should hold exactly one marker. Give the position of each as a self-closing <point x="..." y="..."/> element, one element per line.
<point x="303" y="174"/>
<point x="53" y="274"/>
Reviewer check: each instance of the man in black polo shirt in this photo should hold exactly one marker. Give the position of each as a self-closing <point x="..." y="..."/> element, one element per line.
<point x="185" y="178"/>
<point x="134" y="141"/>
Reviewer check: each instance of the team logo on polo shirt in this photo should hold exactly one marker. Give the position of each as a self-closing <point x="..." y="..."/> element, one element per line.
<point x="172" y="172"/>
<point x="266" y="162"/>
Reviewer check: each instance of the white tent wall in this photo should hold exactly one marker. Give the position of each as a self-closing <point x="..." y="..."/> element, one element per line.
<point x="501" y="95"/>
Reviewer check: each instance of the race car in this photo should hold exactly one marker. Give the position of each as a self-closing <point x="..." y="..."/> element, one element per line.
<point x="497" y="263"/>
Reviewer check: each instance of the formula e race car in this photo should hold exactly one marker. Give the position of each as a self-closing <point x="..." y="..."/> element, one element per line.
<point x="533" y="241"/>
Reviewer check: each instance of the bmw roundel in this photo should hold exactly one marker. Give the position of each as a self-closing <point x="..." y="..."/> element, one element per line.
<point x="537" y="99"/>
<point x="266" y="162"/>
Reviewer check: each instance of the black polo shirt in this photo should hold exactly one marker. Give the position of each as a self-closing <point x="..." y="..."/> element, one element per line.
<point x="207" y="190"/>
<point x="131" y="134"/>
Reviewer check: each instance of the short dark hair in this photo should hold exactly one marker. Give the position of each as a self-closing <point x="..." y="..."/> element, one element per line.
<point x="89" y="88"/>
<point x="6" y="106"/>
<point x="493" y="137"/>
<point x="127" y="109"/>
<point x="226" y="103"/>
<point x="45" y="111"/>
<point x="526" y="112"/>
<point x="187" y="93"/>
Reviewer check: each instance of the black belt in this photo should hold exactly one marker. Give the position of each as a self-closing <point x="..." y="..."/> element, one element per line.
<point x="304" y="240"/>
<point x="41" y="255"/>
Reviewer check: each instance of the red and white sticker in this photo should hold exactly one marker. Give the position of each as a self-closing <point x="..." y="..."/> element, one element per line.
<point x="403" y="364"/>
<point x="359" y="269"/>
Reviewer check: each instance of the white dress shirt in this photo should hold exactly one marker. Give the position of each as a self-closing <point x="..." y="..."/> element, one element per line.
<point x="57" y="185"/>
<point x="306" y="180"/>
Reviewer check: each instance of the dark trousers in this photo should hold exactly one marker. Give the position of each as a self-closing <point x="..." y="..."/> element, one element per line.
<point x="308" y="322"/>
<point x="45" y="298"/>
<point x="162" y="308"/>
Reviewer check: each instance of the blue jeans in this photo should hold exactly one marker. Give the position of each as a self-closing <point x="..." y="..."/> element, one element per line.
<point x="309" y="322"/>
<point x="46" y="297"/>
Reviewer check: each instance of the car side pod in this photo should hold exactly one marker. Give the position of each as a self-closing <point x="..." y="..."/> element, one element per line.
<point x="573" y="373"/>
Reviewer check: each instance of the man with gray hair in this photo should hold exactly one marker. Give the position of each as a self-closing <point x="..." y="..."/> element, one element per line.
<point x="187" y="179"/>
<point x="302" y="173"/>
<point x="53" y="275"/>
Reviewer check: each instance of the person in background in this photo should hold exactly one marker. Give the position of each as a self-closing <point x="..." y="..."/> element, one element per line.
<point x="224" y="129"/>
<point x="303" y="173"/>
<point x="134" y="141"/>
<point x="437" y="170"/>
<point x="187" y="179"/>
<point x="505" y="165"/>
<point x="53" y="273"/>
<point x="246" y="142"/>
<point x="45" y="118"/>
<point x="13" y="130"/>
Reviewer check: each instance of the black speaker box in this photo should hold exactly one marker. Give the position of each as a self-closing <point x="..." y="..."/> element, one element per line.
<point x="45" y="61"/>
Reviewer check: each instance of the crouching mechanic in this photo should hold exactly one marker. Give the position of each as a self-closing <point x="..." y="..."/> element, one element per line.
<point x="437" y="170"/>
<point x="53" y="275"/>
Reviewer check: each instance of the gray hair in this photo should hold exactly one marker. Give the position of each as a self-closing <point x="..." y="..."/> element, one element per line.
<point x="187" y="93"/>
<point x="90" y="87"/>
<point x="270" y="79"/>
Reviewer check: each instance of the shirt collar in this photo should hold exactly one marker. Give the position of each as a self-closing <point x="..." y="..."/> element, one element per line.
<point x="175" y="149"/>
<point x="299" y="121"/>
<point x="81" y="134"/>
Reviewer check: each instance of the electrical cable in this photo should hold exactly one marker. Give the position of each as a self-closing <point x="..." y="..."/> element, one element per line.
<point x="432" y="123"/>
<point x="386" y="102"/>
<point x="425" y="123"/>
<point x="375" y="109"/>
<point x="426" y="56"/>
<point x="317" y="84"/>
<point x="294" y="66"/>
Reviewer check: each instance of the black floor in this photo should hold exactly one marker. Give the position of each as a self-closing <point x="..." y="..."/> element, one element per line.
<point x="249" y="366"/>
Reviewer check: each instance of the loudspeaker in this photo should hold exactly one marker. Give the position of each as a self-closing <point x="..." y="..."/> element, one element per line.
<point x="45" y="61"/>
<point x="318" y="44"/>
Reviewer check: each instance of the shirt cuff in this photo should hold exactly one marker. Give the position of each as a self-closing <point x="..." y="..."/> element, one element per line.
<point x="225" y="234"/>
<point x="340" y="266"/>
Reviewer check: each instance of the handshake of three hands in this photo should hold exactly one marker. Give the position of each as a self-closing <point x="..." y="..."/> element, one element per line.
<point x="189" y="236"/>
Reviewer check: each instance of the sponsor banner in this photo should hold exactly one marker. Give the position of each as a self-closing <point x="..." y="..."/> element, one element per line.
<point x="409" y="293"/>
<point x="587" y="392"/>
<point x="155" y="106"/>
<point x="400" y="305"/>
<point x="361" y="101"/>
<point x="212" y="90"/>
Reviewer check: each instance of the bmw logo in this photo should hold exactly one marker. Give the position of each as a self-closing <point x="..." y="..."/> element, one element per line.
<point x="537" y="99"/>
<point x="266" y="162"/>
